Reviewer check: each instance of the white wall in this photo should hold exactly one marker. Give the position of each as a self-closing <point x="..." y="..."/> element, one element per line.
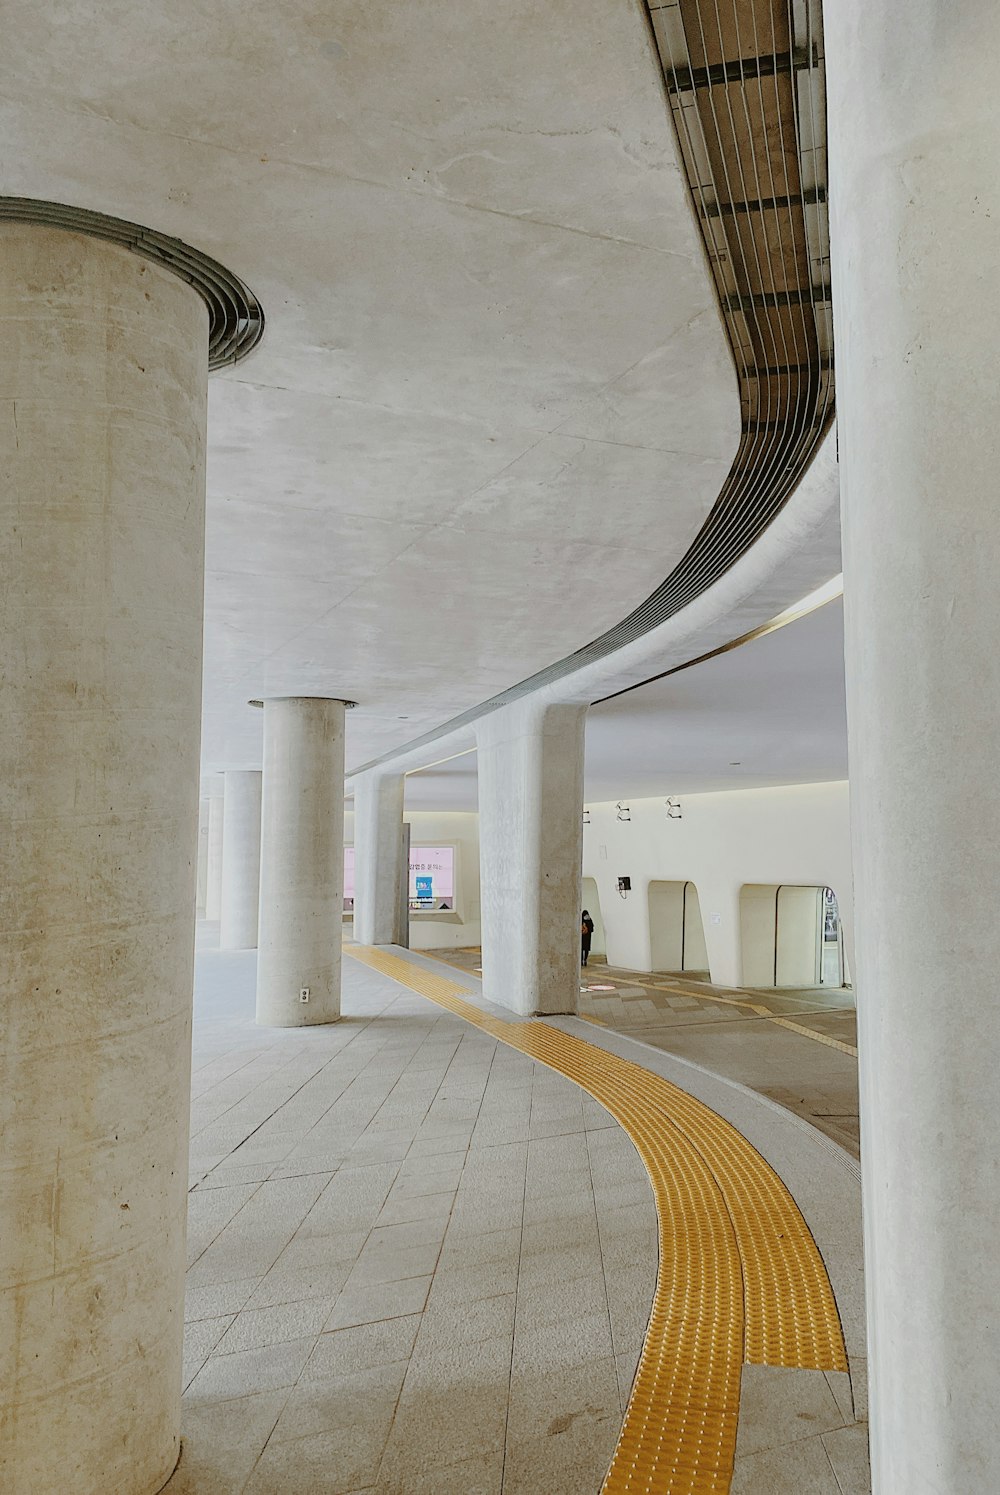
<point x="444" y="828"/>
<point x="798" y="835"/>
<point x="666" y="925"/>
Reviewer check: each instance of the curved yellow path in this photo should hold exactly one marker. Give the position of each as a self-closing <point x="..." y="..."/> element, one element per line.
<point x="740" y="1277"/>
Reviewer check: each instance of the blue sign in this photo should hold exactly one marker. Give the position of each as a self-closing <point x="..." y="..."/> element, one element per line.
<point x="425" y="888"/>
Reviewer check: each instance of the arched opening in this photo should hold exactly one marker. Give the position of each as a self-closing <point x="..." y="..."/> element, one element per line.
<point x="790" y="936"/>
<point x="592" y="903"/>
<point x="676" y="933"/>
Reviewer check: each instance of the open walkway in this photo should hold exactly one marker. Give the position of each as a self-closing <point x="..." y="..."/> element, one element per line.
<point x="422" y="1260"/>
<point x="797" y="1047"/>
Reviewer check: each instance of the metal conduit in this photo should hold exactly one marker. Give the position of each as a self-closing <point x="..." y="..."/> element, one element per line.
<point x="235" y="316"/>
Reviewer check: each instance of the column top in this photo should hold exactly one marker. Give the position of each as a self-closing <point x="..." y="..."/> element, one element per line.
<point x="347" y="705"/>
<point x="235" y="316"/>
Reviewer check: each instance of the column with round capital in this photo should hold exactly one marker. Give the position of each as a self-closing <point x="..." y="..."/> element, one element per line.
<point x="240" y="860"/>
<point x="914" y="115"/>
<point x="301" y="862"/>
<point x="102" y="445"/>
<point x="531" y="854"/>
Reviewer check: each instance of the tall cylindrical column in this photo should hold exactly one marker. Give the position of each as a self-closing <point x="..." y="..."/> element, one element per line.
<point x="915" y="171"/>
<point x="213" y="870"/>
<point x="240" y="860"/>
<point x="301" y="862"/>
<point x="378" y="856"/>
<point x="531" y="855"/>
<point x="102" y="446"/>
<point x="202" y="856"/>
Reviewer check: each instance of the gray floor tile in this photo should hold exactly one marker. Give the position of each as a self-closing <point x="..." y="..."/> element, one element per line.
<point x="249" y="1371"/>
<point x="801" y="1468"/>
<point x="385" y="1300"/>
<point x="333" y="1462"/>
<point x="361" y="1397"/>
<point x="847" y="1450"/>
<point x="361" y="1348"/>
<point x="222" y="1441"/>
<point x="254" y="1328"/>
<point x="780" y="1406"/>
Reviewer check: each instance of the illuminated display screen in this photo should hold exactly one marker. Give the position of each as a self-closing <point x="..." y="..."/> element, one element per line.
<point x="432" y="876"/>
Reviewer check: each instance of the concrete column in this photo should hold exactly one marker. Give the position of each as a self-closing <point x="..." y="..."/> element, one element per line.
<point x="378" y="857"/>
<point x="914" y="123"/>
<point x="240" y="860"/>
<point x="202" y="856"/>
<point x="102" y="446"/>
<point x="531" y="854"/>
<point x="213" y="872"/>
<point x="301" y="862"/>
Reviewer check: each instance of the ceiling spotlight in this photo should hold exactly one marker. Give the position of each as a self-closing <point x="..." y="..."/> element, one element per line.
<point x="402" y="718"/>
<point x="737" y="764"/>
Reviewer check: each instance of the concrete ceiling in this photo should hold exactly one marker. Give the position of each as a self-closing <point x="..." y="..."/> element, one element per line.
<point x="494" y="400"/>
<point x="768" y="712"/>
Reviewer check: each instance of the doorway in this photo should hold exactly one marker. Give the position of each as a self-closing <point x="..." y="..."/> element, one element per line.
<point x="790" y="936"/>
<point x="676" y="932"/>
<point x="592" y="903"/>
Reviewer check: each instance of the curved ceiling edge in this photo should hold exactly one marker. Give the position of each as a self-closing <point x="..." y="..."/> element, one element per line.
<point x="799" y="551"/>
<point x="745" y="83"/>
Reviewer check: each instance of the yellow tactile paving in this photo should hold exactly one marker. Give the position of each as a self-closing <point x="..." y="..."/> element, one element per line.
<point x="740" y="1277"/>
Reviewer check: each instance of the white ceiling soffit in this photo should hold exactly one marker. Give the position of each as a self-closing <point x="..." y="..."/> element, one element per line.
<point x="799" y="552"/>
<point x="771" y="711"/>
<point x="494" y="401"/>
<point x="767" y="712"/>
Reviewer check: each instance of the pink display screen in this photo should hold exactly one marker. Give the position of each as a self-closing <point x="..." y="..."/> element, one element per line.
<point x="432" y="874"/>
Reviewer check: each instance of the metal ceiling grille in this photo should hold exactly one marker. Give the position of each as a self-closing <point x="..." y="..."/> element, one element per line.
<point x="235" y="316"/>
<point x="746" y="86"/>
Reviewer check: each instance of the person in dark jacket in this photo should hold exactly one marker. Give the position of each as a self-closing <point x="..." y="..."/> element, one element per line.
<point x="586" y="931"/>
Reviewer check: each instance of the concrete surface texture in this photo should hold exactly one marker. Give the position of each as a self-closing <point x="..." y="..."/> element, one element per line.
<point x="378" y="857"/>
<point x="102" y="442"/>
<point x="240" y="897"/>
<point x="915" y="209"/>
<point x="530" y="827"/>
<point x="301" y="862"/>
<point x="565" y="344"/>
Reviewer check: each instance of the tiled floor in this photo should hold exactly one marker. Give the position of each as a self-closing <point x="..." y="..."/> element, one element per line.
<point x="686" y="1016"/>
<point x="421" y="1261"/>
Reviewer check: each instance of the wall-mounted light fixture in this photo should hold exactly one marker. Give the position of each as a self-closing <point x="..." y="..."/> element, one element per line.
<point x="673" y="808"/>
<point x="624" y="813"/>
<point x="586" y="817"/>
